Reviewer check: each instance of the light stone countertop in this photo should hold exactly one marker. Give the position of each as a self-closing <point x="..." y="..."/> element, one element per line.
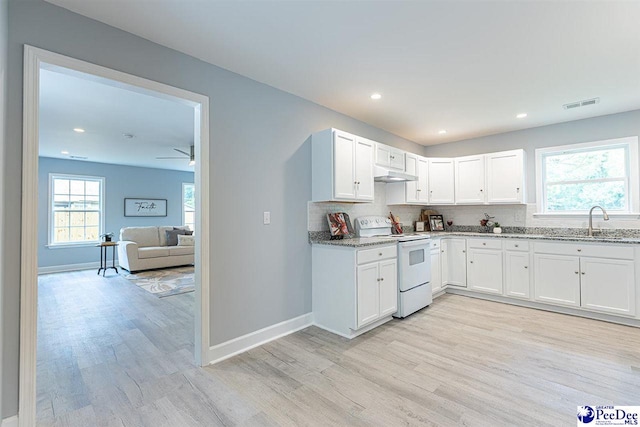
<point x="380" y="241"/>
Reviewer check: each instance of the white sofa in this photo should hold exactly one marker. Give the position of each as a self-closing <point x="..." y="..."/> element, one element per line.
<point x="145" y="248"/>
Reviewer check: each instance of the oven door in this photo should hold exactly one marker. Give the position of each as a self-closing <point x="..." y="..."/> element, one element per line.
<point x="414" y="264"/>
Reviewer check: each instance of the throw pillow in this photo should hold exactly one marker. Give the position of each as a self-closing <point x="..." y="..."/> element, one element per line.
<point x="172" y="236"/>
<point x="186" y="229"/>
<point x="186" y="240"/>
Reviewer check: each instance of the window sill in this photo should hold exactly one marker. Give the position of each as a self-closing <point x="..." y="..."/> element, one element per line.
<point x="71" y="245"/>
<point x="596" y="215"/>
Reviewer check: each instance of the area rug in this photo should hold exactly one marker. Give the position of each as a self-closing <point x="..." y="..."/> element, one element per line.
<point x="165" y="282"/>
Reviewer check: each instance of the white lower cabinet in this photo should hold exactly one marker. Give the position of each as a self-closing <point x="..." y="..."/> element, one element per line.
<point x="516" y="274"/>
<point x="557" y="279"/>
<point x="604" y="283"/>
<point x="436" y="272"/>
<point x="484" y="265"/>
<point x="353" y="289"/>
<point x="453" y="258"/>
<point x="484" y="270"/>
<point x="608" y="285"/>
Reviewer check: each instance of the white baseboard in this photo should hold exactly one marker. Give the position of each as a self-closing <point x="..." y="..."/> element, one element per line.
<point x="10" y="422"/>
<point x="225" y="350"/>
<point x="69" y="267"/>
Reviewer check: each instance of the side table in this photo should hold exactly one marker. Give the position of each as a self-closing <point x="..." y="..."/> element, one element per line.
<point x="104" y="246"/>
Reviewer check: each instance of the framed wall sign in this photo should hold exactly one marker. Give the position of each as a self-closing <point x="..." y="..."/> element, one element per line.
<point x="145" y="207"/>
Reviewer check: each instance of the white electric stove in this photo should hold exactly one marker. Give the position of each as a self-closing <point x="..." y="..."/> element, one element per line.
<point x="414" y="262"/>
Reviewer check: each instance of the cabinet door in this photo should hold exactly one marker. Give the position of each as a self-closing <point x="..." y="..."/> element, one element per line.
<point x="608" y="285"/>
<point x="505" y="177"/>
<point x="436" y="275"/>
<point x="344" y="176"/>
<point x="441" y="188"/>
<point x="454" y="262"/>
<point x="470" y="179"/>
<point x="368" y="293"/>
<point x="557" y="279"/>
<point x="383" y="155"/>
<point x="388" y="287"/>
<point x="364" y="168"/>
<point x="517" y="274"/>
<point x="411" y="187"/>
<point x="396" y="159"/>
<point x="484" y="272"/>
<point x="423" y="180"/>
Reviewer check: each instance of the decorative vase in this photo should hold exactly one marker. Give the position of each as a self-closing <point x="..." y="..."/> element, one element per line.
<point x="497" y="230"/>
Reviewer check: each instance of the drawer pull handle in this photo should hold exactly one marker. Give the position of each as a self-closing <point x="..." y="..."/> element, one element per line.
<point x="484" y="244"/>
<point x="576" y="272"/>
<point x="380" y="254"/>
<point x="382" y="279"/>
<point x="515" y="246"/>
<point x="470" y="262"/>
<point x="526" y="266"/>
<point x="464" y="251"/>
<point x="579" y="250"/>
<point x="583" y="273"/>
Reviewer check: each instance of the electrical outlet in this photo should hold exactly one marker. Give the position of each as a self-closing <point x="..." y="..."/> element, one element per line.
<point x="266" y="217"/>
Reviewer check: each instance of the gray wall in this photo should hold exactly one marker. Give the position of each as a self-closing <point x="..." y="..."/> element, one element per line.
<point x="260" y="160"/>
<point x="120" y="182"/>
<point x="4" y="38"/>
<point x="595" y="129"/>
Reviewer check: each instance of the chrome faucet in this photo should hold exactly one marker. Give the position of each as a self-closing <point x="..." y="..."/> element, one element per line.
<point x="604" y="215"/>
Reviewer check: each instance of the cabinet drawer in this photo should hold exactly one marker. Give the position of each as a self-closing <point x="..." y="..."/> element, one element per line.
<point x="435" y="244"/>
<point x="484" y="243"/>
<point x="516" y="245"/>
<point x="585" y="249"/>
<point x="376" y="254"/>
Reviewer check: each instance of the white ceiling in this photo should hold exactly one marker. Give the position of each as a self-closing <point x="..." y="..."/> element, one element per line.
<point x="106" y="113"/>
<point x="467" y="67"/>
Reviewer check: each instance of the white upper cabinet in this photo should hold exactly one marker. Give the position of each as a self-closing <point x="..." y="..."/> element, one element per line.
<point x="470" y="180"/>
<point x="440" y="181"/>
<point x="342" y="167"/>
<point x="506" y="177"/>
<point x="364" y="169"/>
<point x="411" y="192"/>
<point x="389" y="157"/>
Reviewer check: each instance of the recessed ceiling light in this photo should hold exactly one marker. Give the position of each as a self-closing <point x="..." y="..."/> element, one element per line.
<point x="442" y="132"/>
<point x="376" y="96"/>
<point x="65" y="152"/>
<point x="78" y="130"/>
<point x="521" y="115"/>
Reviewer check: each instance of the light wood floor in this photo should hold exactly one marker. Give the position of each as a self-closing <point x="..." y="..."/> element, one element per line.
<point x="115" y="357"/>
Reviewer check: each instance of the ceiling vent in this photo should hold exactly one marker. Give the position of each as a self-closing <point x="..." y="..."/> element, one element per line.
<point x="579" y="104"/>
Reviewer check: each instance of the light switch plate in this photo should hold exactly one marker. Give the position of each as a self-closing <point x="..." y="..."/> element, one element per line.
<point x="266" y="216"/>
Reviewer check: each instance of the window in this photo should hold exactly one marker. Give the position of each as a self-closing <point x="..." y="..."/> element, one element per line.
<point x="76" y="209"/>
<point x="189" y="205"/>
<point x="573" y="178"/>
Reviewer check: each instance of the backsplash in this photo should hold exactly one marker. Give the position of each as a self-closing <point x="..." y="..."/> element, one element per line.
<point x="523" y="216"/>
<point x="512" y="216"/>
<point x="317" y="211"/>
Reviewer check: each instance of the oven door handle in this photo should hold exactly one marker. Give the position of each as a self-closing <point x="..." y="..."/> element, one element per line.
<point x="414" y="243"/>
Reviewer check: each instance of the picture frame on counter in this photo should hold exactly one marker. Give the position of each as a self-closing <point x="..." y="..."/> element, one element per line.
<point x="436" y="222"/>
<point x="420" y="226"/>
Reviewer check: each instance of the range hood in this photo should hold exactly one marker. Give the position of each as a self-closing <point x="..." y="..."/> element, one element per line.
<point x="385" y="175"/>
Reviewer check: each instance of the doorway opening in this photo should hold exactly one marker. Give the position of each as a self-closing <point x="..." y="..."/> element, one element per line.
<point x="87" y="183"/>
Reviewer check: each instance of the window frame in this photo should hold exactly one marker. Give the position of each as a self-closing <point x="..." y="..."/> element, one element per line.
<point x="184" y="185"/>
<point x="101" y="226"/>
<point x="632" y="182"/>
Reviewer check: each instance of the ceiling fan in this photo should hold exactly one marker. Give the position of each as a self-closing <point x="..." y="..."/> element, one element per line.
<point x="191" y="156"/>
